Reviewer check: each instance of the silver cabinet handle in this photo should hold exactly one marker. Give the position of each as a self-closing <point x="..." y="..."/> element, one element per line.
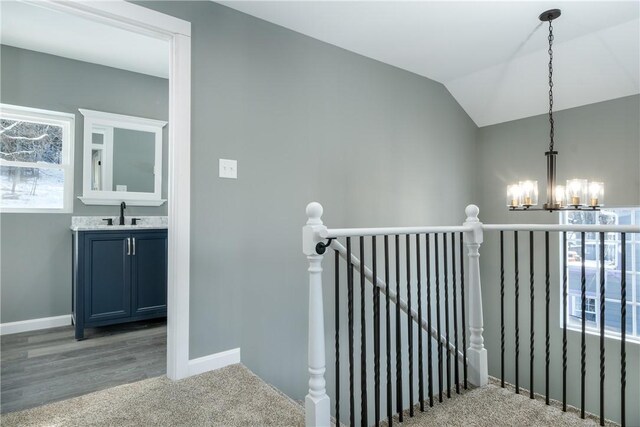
<point x="128" y="246"/>
<point x="134" y="246"/>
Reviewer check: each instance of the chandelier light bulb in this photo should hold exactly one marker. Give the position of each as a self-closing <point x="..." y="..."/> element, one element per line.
<point x="514" y="195"/>
<point x="529" y="193"/>
<point x="596" y="193"/>
<point x="577" y="192"/>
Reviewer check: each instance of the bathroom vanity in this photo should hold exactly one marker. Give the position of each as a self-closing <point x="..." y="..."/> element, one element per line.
<point x="119" y="272"/>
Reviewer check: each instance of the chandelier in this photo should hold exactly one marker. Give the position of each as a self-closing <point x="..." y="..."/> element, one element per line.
<point x="578" y="194"/>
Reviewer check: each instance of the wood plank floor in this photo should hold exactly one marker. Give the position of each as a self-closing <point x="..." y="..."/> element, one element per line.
<point x="50" y="365"/>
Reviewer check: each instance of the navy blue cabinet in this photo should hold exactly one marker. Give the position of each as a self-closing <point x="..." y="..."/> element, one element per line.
<point x="150" y="250"/>
<point x="118" y="276"/>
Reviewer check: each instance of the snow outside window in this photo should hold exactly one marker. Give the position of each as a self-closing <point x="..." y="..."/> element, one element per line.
<point x="36" y="160"/>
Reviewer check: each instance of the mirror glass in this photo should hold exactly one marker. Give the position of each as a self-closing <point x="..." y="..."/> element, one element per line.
<point x="133" y="160"/>
<point x="122" y="156"/>
<point x="131" y="166"/>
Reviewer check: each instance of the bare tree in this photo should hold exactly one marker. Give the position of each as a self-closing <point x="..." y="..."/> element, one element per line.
<point x="22" y="141"/>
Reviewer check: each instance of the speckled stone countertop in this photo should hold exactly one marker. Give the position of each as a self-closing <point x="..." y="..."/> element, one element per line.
<point x="89" y="223"/>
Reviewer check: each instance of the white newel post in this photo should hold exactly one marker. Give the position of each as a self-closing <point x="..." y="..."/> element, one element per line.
<point x="317" y="409"/>
<point x="477" y="354"/>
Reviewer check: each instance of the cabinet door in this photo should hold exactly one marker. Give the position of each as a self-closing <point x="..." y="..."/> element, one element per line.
<point x="107" y="276"/>
<point x="149" y="272"/>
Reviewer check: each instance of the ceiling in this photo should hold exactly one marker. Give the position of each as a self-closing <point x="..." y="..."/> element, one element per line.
<point x="491" y="56"/>
<point x="35" y="27"/>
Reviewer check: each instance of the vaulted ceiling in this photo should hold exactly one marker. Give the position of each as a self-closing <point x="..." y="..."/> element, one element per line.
<point x="491" y="56"/>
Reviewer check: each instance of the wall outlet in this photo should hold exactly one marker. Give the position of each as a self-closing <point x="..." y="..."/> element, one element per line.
<point x="121" y="187"/>
<point x="228" y="168"/>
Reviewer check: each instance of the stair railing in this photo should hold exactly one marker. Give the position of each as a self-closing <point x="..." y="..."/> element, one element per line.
<point x="317" y="403"/>
<point x="393" y="297"/>
<point x="514" y="281"/>
<point x="315" y="235"/>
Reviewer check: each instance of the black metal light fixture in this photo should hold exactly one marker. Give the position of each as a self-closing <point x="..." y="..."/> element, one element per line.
<point x="579" y="194"/>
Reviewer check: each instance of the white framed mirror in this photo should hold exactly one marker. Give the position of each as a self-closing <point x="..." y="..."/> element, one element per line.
<point x="122" y="159"/>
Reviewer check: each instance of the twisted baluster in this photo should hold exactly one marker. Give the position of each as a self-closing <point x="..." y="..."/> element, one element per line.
<point x="517" y="286"/>
<point x="502" y="308"/>
<point x="546" y="321"/>
<point x="623" y="324"/>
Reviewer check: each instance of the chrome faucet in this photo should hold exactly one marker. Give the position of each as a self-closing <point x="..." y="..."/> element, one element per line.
<point x="123" y="206"/>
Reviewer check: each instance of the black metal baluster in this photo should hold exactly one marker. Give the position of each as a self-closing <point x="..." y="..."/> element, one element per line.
<point x="437" y="260"/>
<point x="564" y="321"/>
<point x="376" y="328"/>
<point x="352" y="415"/>
<point x="409" y="322"/>
<point x="446" y="313"/>
<point x="583" y="348"/>
<point x="429" y="358"/>
<point x="420" y="331"/>
<point x="363" y="342"/>
<point x="502" y="308"/>
<point x="531" y="311"/>
<point x="455" y="312"/>
<point x="388" y="330"/>
<point x="464" y="320"/>
<point x="602" y="295"/>
<point x="517" y="289"/>
<point x="398" y="336"/>
<point x="623" y="329"/>
<point x="337" y="335"/>
<point x="547" y="291"/>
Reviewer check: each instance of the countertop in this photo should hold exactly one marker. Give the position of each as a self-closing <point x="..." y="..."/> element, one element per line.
<point x="97" y="223"/>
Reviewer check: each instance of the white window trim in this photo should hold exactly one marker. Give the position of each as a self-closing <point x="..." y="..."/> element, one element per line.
<point x="632" y="336"/>
<point x="67" y="122"/>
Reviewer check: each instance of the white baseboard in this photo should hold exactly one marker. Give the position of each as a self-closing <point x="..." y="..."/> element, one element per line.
<point x="213" y="361"/>
<point x="34" y="324"/>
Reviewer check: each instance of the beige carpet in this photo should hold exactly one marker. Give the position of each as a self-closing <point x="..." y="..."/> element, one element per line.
<point x="496" y="406"/>
<point x="234" y="396"/>
<point x="231" y="396"/>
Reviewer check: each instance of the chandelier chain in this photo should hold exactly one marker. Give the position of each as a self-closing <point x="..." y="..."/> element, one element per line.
<point x="551" y="131"/>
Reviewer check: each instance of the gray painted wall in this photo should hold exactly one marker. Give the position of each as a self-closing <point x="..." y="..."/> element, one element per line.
<point x="36" y="248"/>
<point x="600" y="142"/>
<point x="306" y="121"/>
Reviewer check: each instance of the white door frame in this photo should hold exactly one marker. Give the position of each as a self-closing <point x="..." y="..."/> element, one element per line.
<point x="178" y="33"/>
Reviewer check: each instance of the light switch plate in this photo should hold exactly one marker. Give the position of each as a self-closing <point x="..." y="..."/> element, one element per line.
<point x="228" y="168"/>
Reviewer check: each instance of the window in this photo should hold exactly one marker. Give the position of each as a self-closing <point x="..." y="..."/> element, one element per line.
<point x="589" y="311"/>
<point x="612" y="265"/>
<point x="36" y="160"/>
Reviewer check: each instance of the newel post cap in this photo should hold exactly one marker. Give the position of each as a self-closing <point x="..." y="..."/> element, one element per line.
<point x="312" y="230"/>
<point x="472" y="212"/>
<point x="475" y="235"/>
<point x="314" y="213"/>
